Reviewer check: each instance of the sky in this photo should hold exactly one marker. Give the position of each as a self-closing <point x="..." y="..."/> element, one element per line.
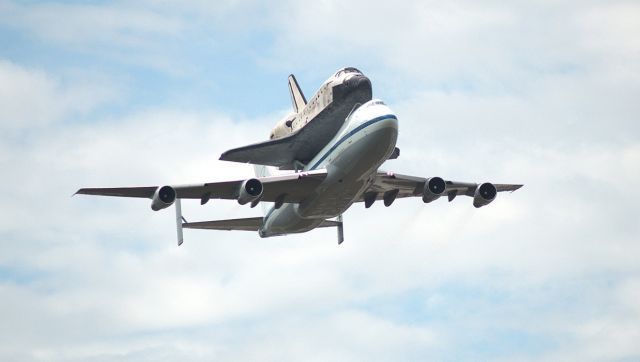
<point x="125" y="93"/>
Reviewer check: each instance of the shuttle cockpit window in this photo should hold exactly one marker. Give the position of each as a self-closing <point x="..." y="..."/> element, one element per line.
<point x="347" y="70"/>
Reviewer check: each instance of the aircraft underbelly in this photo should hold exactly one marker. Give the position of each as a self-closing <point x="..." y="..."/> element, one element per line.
<point x="348" y="173"/>
<point x="335" y="201"/>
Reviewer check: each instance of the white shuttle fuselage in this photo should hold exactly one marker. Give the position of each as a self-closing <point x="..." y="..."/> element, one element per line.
<point x="299" y="136"/>
<point x="345" y="90"/>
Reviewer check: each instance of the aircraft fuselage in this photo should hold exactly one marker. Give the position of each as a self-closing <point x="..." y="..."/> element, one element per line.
<point x="366" y="139"/>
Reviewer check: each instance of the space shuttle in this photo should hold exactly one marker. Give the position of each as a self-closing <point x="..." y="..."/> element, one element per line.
<point x="301" y="134"/>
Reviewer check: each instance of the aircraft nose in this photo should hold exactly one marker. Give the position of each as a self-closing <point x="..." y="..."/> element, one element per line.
<point x="358" y="83"/>
<point x="356" y="88"/>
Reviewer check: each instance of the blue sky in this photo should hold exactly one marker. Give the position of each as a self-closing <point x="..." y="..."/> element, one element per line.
<point x="142" y="93"/>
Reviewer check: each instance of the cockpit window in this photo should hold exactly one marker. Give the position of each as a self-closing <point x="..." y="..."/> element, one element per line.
<point x="347" y="70"/>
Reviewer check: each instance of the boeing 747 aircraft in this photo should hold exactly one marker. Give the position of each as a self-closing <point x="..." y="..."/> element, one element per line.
<point x="343" y="171"/>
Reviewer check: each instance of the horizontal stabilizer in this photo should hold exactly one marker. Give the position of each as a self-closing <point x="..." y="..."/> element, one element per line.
<point x="329" y="223"/>
<point x="247" y="224"/>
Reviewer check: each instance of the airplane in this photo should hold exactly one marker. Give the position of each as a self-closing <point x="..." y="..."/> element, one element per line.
<point x="319" y="190"/>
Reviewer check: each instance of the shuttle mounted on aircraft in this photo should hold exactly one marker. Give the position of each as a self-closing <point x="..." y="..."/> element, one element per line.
<point x="297" y="138"/>
<point x="331" y="149"/>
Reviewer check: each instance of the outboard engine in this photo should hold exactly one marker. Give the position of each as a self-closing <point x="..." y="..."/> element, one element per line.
<point x="163" y="198"/>
<point x="485" y="193"/>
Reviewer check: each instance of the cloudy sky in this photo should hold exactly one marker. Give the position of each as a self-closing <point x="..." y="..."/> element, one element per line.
<point x="141" y="93"/>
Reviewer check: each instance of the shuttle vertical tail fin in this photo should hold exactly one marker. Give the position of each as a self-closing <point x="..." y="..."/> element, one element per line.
<point x="297" y="98"/>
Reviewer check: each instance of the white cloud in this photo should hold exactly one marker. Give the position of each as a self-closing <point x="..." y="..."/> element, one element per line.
<point x="33" y="98"/>
<point x="92" y="25"/>
<point x="610" y="34"/>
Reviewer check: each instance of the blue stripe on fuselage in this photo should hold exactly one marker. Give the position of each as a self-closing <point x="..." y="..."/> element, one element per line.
<point x="351" y="133"/>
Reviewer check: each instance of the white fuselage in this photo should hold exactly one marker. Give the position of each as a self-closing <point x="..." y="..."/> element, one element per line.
<point x="351" y="159"/>
<point x="336" y="96"/>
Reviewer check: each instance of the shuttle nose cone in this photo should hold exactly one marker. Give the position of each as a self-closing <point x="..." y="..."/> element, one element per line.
<point x="359" y="83"/>
<point x="356" y="89"/>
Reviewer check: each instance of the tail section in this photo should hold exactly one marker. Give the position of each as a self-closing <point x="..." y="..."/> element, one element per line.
<point x="247" y="224"/>
<point x="265" y="171"/>
<point x="297" y="98"/>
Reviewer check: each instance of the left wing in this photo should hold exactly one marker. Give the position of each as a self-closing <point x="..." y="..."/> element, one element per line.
<point x="388" y="186"/>
<point x="290" y="188"/>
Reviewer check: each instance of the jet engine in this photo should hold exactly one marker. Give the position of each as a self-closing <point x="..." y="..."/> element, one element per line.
<point x="485" y="193"/>
<point x="250" y="190"/>
<point x="163" y="198"/>
<point x="433" y="189"/>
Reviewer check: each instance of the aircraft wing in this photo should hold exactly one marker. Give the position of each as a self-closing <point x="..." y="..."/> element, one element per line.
<point x="301" y="146"/>
<point x="142" y="192"/>
<point x="286" y="188"/>
<point x="409" y="186"/>
<point x="281" y="152"/>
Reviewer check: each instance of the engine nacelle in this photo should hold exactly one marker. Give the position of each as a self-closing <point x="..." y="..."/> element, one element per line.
<point x="250" y="190"/>
<point x="433" y="189"/>
<point x="164" y="197"/>
<point x="485" y="193"/>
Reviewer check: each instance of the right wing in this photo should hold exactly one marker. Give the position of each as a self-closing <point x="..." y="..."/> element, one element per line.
<point x="289" y="188"/>
<point x="413" y="186"/>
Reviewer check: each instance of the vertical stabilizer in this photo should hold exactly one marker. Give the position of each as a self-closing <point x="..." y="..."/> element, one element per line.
<point x="297" y="98"/>
<point x="264" y="171"/>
